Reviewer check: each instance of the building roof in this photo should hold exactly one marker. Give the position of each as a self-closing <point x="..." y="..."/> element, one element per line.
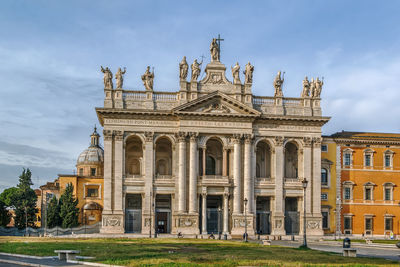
<point x="366" y="137"/>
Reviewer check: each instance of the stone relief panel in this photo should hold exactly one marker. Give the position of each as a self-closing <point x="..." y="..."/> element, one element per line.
<point x="111" y="221"/>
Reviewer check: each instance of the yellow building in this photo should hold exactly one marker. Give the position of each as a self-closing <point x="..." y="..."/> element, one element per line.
<point x="87" y="183"/>
<point x="370" y="175"/>
<point x="328" y="185"/>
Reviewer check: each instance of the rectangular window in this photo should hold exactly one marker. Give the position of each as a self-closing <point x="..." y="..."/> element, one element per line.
<point x="324" y="148"/>
<point x="324" y="176"/>
<point x="93" y="192"/>
<point x="367" y="160"/>
<point x="388" y="224"/>
<point x="347" y="159"/>
<point x="81" y="172"/>
<point x="388" y="194"/>
<point x="325" y="217"/>
<point x="93" y="171"/>
<point x="367" y="193"/>
<point x="368" y="224"/>
<point x="324" y="196"/>
<point x="387" y="160"/>
<point x="347" y="223"/>
<point x="347" y="193"/>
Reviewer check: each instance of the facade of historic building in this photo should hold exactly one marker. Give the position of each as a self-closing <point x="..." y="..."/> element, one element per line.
<point x="211" y="157"/>
<point x="369" y="171"/>
<point x="87" y="182"/>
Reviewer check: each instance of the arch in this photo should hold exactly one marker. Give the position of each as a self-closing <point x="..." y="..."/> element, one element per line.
<point x="214" y="155"/>
<point x="263" y="159"/>
<point x="204" y="139"/>
<point x="133" y="135"/>
<point x="268" y="141"/>
<point x="294" y="141"/>
<point x="171" y="138"/>
<point x="291" y="159"/>
<point x="133" y="155"/>
<point x="163" y="159"/>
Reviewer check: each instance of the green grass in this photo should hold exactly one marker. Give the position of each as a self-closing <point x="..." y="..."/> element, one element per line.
<point x="183" y="252"/>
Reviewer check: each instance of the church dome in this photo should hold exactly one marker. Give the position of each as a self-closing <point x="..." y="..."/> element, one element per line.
<point x="94" y="153"/>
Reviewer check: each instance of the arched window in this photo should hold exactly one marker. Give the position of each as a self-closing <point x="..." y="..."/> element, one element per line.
<point x="291" y="161"/>
<point x="161" y="167"/>
<point x="263" y="160"/>
<point x="163" y="156"/>
<point x="133" y="156"/>
<point x="210" y="166"/>
<point x="324" y="176"/>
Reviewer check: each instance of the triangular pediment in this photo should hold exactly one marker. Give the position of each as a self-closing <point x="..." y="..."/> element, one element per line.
<point x="216" y="103"/>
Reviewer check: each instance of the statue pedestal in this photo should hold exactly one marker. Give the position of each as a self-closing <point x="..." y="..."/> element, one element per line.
<point x="186" y="224"/>
<point x="239" y="225"/>
<point x="278" y="225"/>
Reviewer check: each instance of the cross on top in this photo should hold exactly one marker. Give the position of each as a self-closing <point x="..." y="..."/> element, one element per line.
<point x="219" y="43"/>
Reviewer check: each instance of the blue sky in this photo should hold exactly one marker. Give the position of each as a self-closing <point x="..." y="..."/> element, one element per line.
<point x="51" y="52"/>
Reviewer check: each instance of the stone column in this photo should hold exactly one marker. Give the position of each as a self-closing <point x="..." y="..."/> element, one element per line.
<point x="307" y="171"/>
<point x="193" y="174"/>
<point x="226" y="214"/>
<point x="316" y="191"/>
<point x="278" y="216"/>
<point x="204" y="212"/>
<point x="204" y="160"/>
<point x="108" y="138"/>
<point x="118" y="170"/>
<point x="237" y="190"/>
<point x="224" y="162"/>
<point x="148" y="161"/>
<point x="182" y="172"/>
<point x="248" y="188"/>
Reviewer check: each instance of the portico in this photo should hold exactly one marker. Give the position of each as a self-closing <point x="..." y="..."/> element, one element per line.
<point x="194" y="155"/>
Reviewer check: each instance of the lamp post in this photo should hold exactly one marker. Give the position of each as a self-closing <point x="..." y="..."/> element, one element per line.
<point x="219" y="222"/>
<point x="304" y="182"/>
<point x="151" y="206"/>
<point x="245" y="219"/>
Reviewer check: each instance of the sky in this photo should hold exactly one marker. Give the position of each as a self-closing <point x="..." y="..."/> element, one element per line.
<point x="51" y="53"/>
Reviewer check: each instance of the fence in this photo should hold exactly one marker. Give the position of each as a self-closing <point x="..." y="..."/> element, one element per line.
<point x="56" y="231"/>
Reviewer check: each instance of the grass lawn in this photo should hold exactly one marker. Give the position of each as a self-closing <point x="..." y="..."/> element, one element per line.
<point x="183" y="252"/>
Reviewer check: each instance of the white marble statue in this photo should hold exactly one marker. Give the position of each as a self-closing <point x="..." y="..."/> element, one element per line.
<point x="306" y="88"/>
<point x="195" y="70"/>
<point x="248" y="73"/>
<point x="148" y="78"/>
<point x="119" y="76"/>
<point x="108" y="84"/>
<point x="214" y="50"/>
<point x="183" y="69"/>
<point x="235" y="73"/>
<point x="278" y="81"/>
<point x="318" y="87"/>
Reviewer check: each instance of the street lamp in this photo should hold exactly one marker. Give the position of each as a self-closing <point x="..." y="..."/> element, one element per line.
<point x="219" y="222"/>
<point x="304" y="182"/>
<point x="245" y="219"/>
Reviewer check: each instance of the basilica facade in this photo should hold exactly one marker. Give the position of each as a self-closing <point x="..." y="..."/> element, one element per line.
<point x="211" y="157"/>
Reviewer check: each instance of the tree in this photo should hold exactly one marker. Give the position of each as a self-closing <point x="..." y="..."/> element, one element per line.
<point x="25" y="201"/>
<point x="53" y="213"/>
<point x="69" y="212"/>
<point x="8" y="196"/>
<point x="5" y="216"/>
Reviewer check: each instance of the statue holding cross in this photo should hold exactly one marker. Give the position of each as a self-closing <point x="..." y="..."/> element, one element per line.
<point x="215" y="48"/>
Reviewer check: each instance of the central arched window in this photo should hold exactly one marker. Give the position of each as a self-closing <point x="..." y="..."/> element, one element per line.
<point x="163" y="156"/>
<point x="263" y="160"/>
<point x="210" y="166"/>
<point x="214" y="157"/>
<point x="291" y="160"/>
<point x="133" y="156"/>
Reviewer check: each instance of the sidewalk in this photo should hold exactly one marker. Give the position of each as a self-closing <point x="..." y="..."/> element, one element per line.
<point x="24" y="260"/>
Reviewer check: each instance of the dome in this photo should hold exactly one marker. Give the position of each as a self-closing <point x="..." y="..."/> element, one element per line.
<point x="93" y="154"/>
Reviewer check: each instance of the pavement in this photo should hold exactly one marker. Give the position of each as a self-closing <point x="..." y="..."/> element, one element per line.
<point x="386" y="251"/>
<point x="22" y="260"/>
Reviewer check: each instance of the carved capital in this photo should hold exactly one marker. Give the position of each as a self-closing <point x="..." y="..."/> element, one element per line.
<point x="119" y="135"/>
<point x="107" y="135"/>
<point x="181" y="136"/>
<point x="317" y="141"/>
<point x="307" y="141"/>
<point x="279" y="140"/>
<point x="148" y="136"/>
<point x="248" y="138"/>
<point x="193" y="136"/>
<point x="236" y="138"/>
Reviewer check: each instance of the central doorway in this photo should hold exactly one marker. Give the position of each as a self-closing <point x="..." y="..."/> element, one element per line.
<point x="214" y="214"/>
<point x="292" y="216"/>
<point x="263" y="216"/>
<point x="133" y="213"/>
<point x="163" y="214"/>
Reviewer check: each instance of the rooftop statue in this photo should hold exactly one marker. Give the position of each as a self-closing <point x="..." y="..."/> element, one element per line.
<point x="119" y="76"/>
<point x="196" y="70"/>
<point x="318" y="87"/>
<point x="183" y="69"/>
<point x="214" y="50"/>
<point x="235" y="73"/>
<point x="306" y="88"/>
<point x="248" y="73"/>
<point x="148" y="78"/>
<point x="312" y="88"/>
<point x="108" y="84"/>
<point x="278" y="81"/>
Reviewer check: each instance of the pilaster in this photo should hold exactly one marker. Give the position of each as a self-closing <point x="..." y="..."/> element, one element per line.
<point x="278" y="217"/>
<point x="307" y="143"/>
<point x="181" y="136"/>
<point x="314" y="224"/>
<point x="237" y="190"/>
<point x="193" y="171"/>
<point x="147" y="205"/>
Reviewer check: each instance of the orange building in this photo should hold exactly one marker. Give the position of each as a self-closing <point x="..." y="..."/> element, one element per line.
<point x="88" y="184"/>
<point x="369" y="188"/>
